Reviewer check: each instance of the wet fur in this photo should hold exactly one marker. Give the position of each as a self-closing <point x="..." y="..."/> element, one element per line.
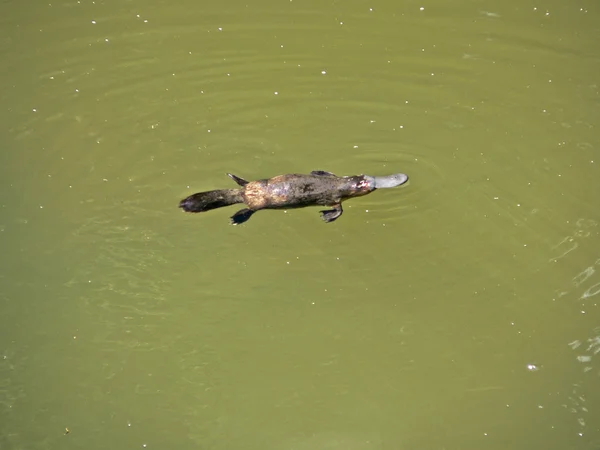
<point x="282" y="192"/>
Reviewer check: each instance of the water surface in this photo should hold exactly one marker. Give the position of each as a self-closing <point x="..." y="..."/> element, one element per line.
<point x="458" y="312"/>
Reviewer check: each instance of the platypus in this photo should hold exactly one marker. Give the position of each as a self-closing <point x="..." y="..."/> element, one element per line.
<point x="291" y="191"/>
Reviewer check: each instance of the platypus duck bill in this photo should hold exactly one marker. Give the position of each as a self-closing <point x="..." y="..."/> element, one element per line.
<point x="388" y="181"/>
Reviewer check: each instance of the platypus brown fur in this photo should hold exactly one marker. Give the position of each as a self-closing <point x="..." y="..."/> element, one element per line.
<point x="319" y="188"/>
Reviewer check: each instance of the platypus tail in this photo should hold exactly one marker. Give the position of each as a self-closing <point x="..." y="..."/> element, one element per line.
<point x="205" y="201"/>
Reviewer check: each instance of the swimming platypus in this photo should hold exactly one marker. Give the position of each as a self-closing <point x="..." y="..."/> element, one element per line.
<point x="290" y="191"/>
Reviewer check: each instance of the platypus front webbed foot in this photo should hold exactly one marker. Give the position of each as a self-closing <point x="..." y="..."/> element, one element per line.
<point x="241" y="216"/>
<point x="329" y="215"/>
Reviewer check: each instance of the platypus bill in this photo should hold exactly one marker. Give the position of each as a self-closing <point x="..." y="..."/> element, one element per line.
<point x="291" y="191"/>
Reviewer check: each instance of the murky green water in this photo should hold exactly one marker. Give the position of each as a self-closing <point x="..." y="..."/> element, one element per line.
<point x="458" y="312"/>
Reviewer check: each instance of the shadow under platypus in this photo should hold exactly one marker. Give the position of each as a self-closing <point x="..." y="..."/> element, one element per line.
<point x="319" y="188"/>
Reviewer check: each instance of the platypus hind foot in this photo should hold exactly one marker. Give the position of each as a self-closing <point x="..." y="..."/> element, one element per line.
<point x="238" y="180"/>
<point x="241" y="216"/>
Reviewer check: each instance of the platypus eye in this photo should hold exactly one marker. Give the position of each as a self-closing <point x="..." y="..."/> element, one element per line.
<point x="362" y="184"/>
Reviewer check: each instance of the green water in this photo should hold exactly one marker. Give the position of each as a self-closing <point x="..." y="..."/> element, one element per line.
<point x="458" y="312"/>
